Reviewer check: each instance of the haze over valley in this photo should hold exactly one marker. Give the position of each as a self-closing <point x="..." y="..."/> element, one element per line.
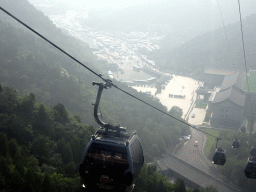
<point x="187" y="59"/>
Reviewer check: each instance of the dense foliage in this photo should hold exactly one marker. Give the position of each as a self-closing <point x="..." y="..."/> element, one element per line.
<point x="30" y="65"/>
<point x="41" y="144"/>
<point x="40" y="148"/>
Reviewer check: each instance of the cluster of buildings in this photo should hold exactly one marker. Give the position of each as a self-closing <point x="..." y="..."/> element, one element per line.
<point x="115" y="48"/>
<point x="225" y="95"/>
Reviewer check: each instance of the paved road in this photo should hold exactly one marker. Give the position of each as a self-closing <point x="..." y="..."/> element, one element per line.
<point x="194" y="155"/>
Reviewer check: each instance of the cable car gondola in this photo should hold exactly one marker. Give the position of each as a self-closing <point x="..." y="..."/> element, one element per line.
<point x="236" y="143"/>
<point x="243" y="129"/>
<point x="250" y="169"/>
<point x="112" y="159"/>
<point x="253" y="151"/>
<point x="220" y="155"/>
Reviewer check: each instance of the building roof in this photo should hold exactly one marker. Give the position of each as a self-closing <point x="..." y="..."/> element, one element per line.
<point x="234" y="79"/>
<point x="219" y="70"/>
<point x="232" y="94"/>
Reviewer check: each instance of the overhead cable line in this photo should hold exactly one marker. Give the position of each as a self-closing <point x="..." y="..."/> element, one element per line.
<point x="109" y="82"/>
<point x="226" y="35"/>
<point x="245" y="63"/>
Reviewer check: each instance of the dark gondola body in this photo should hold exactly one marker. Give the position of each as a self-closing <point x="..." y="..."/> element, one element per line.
<point x="253" y="151"/>
<point x="236" y="143"/>
<point x="250" y="168"/>
<point x="220" y="156"/>
<point x="112" y="159"/>
<point x="243" y="129"/>
<point x="111" y="162"/>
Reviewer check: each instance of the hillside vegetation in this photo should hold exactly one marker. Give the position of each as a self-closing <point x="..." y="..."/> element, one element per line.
<point x="210" y="49"/>
<point x="30" y="65"/>
<point x="46" y="116"/>
<point x="40" y="149"/>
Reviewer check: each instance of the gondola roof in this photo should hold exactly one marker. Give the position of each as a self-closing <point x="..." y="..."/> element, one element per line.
<point x="112" y="136"/>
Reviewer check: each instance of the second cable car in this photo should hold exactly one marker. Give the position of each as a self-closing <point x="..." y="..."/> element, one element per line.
<point x="253" y="151"/>
<point x="250" y="169"/>
<point x="220" y="156"/>
<point x="236" y="143"/>
<point x="112" y="159"/>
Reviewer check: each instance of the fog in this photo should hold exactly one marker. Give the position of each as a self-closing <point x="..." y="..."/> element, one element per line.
<point x="112" y="4"/>
<point x="183" y="19"/>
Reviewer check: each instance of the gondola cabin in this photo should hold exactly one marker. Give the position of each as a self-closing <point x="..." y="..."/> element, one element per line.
<point x="220" y="156"/>
<point x="250" y="169"/>
<point x="236" y="143"/>
<point x="243" y="129"/>
<point x="253" y="151"/>
<point x="111" y="161"/>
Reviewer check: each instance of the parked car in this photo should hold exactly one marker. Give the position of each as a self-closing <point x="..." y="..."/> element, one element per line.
<point x="196" y="143"/>
<point x="193" y="115"/>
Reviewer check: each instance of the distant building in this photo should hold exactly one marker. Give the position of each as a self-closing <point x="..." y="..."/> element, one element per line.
<point x="214" y="75"/>
<point x="152" y="80"/>
<point x="152" y="72"/>
<point x="140" y="81"/>
<point x="136" y="68"/>
<point x="228" y="103"/>
<point x="129" y="83"/>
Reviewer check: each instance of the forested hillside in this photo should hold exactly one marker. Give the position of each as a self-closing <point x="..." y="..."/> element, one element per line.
<point x="46" y="116"/>
<point x="210" y="49"/>
<point x="29" y="65"/>
<point x="40" y="149"/>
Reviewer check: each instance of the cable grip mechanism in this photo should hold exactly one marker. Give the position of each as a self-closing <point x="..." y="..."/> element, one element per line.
<point x="107" y="126"/>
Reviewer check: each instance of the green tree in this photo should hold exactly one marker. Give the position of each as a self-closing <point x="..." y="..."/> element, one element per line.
<point x="60" y="113"/>
<point x="4" y="168"/>
<point x="70" y="168"/>
<point x="14" y="147"/>
<point x="176" y="111"/>
<point x="67" y="154"/>
<point x="27" y="107"/>
<point x="32" y="181"/>
<point x="42" y="116"/>
<point x="47" y="185"/>
<point x="179" y="185"/>
<point x="40" y="148"/>
<point x="42" y="123"/>
<point x="4" y="147"/>
<point x="16" y="181"/>
<point x="209" y="189"/>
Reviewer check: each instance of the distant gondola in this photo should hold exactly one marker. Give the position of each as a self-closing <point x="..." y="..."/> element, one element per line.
<point x="220" y="156"/>
<point x="243" y="129"/>
<point x="236" y="143"/>
<point x="253" y="151"/>
<point x="112" y="159"/>
<point x="250" y="169"/>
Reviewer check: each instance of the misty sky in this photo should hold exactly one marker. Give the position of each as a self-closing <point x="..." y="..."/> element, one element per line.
<point x="110" y="4"/>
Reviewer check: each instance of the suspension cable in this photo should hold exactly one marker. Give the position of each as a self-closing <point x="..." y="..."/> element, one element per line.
<point x="100" y="76"/>
<point x="226" y="35"/>
<point x="245" y="63"/>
